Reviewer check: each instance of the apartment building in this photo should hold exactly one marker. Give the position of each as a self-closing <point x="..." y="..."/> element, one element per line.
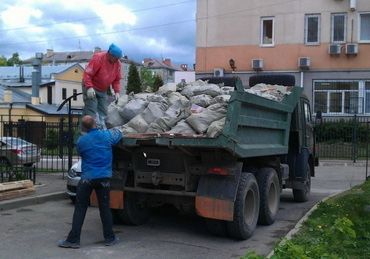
<point x="325" y="44"/>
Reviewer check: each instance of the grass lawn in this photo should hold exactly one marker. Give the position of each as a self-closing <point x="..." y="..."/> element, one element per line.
<point x="338" y="228"/>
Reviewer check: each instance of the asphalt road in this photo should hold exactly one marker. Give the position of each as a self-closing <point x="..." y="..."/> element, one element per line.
<point x="33" y="231"/>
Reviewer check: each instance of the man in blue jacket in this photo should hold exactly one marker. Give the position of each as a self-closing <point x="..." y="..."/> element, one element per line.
<point x="95" y="149"/>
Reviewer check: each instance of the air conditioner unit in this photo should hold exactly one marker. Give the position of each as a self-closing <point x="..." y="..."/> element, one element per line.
<point x="304" y="63"/>
<point x="257" y="64"/>
<point x="351" y="49"/>
<point x="218" y="72"/>
<point x="334" y="49"/>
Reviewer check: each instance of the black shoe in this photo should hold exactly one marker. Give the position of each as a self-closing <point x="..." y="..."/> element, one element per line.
<point x="67" y="244"/>
<point x="111" y="242"/>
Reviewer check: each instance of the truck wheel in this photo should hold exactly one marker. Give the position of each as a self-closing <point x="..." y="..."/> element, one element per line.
<point x="302" y="195"/>
<point x="216" y="227"/>
<point x="287" y="80"/>
<point x="134" y="212"/>
<point x="246" y="208"/>
<point x="269" y="187"/>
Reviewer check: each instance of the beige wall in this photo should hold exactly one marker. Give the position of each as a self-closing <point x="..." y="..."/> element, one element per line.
<point x="70" y="79"/>
<point x="231" y="29"/>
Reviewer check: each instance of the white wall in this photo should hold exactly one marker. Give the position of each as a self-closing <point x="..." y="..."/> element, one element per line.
<point x="189" y="76"/>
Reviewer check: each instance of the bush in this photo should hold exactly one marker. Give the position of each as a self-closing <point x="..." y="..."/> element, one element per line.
<point x="158" y="82"/>
<point x="133" y="81"/>
<point x="341" y="131"/>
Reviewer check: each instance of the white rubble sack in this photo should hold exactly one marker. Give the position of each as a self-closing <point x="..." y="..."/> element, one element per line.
<point x="173" y="97"/>
<point x="182" y="127"/>
<point x="174" y="114"/>
<point x="201" y="88"/>
<point x="153" y="111"/>
<point x="202" y="100"/>
<point x="167" y="88"/>
<point x="216" y="128"/>
<point x="138" y="124"/>
<point x="133" y="108"/>
<point x="114" y="119"/>
<point x="201" y="121"/>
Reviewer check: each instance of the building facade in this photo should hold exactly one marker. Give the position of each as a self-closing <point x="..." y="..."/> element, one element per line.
<point x="324" y="44"/>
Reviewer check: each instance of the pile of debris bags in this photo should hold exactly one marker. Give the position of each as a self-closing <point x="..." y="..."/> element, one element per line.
<point x="197" y="108"/>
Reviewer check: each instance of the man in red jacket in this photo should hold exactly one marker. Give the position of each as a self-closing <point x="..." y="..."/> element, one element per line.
<point x="103" y="71"/>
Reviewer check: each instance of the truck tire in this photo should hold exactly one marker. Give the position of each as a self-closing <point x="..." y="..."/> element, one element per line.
<point x="216" y="227"/>
<point x="302" y="195"/>
<point x="246" y="208"/>
<point x="282" y="79"/>
<point x="269" y="188"/>
<point x="133" y="213"/>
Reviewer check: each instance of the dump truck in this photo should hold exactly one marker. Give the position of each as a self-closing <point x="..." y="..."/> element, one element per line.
<point x="234" y="180"/>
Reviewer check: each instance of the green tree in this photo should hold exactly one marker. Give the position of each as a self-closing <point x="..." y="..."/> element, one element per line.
<point x="3" y="61"/>
<point x="133" y="81"/>
<point x="14" y="60"/>
<point x="158" y="82"/>
<point x="147" y="78"/>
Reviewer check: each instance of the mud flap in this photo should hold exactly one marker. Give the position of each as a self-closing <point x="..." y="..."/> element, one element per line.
<point x="216" y="195"/>
<point x="116" y="199"/>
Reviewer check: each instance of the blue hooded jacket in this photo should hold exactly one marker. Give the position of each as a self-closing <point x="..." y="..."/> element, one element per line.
<point x="95" y="149"/>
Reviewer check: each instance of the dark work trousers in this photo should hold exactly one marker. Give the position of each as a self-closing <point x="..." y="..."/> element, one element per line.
<point x="84" y="189"/>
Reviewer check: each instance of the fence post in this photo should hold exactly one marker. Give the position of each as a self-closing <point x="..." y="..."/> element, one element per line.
<point x="367" y="148"/>
<point x="354" y="139"/>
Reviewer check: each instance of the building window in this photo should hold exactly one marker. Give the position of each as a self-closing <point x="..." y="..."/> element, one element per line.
<point x="74" y="94"/>
<point x="338" y="28"/>
<point x="64" y="93"/>
<point x="312" y="29"/>
<point x="364" y="27"/>
<point x="267" y="31"/>
<point x="339" y="97"/>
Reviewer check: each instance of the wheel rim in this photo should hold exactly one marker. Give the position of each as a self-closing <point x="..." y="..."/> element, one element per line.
<point x="249" y="207"/>
<point x="272" y="198"/>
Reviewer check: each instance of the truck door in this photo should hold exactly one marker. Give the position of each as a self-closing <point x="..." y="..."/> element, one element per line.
<point x="307" y="125"/>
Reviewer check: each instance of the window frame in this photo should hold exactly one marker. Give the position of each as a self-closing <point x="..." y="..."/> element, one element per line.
<point x="307" y="16"/>
<point x="332" y="27"/>
<point x="267" y="18"/>
<point x="359" y="27"/>
<point x="64" y="93"/>
<point x="361" y="105"/>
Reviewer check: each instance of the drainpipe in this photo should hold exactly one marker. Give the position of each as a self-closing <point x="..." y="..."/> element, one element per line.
<point x="302" y="79"/>
<point x="36" y="79"/>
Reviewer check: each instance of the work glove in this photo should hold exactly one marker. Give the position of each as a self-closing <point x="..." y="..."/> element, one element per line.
<point x="116" y="97"/>
<point x="91" y="93"/>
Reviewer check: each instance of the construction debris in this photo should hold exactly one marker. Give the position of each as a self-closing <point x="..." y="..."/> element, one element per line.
<point x="188" y="109"/>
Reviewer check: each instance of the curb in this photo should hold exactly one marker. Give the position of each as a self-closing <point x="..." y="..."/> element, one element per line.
<point x="299" y="224"/>
<point x="27" y="201"/>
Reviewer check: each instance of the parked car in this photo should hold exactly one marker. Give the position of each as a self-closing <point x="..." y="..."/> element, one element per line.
<point x="73" y="177"/>
<point x="18" y="152"/>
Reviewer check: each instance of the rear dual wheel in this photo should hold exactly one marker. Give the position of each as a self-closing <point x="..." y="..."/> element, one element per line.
<point x="135" y="212"/>
<point x="246" y="208"/>
<point x="269" y="187"/>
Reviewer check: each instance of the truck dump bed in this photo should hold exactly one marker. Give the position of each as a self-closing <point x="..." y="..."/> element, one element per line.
<point x="255" y="126"/>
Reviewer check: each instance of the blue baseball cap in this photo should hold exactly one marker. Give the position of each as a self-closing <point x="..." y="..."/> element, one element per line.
<point x="115" y="51"/>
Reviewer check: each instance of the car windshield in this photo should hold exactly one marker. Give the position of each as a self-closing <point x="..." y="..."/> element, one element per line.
<point x="15" y="141"/>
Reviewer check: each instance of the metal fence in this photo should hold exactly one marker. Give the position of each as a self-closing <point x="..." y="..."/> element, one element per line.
<point x="50" y="145"/>
<point x="342" y="138"/>
<point x="34" y="145"/>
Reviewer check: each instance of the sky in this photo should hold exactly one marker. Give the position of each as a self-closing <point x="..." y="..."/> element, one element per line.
<point x="141" y="28"/>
